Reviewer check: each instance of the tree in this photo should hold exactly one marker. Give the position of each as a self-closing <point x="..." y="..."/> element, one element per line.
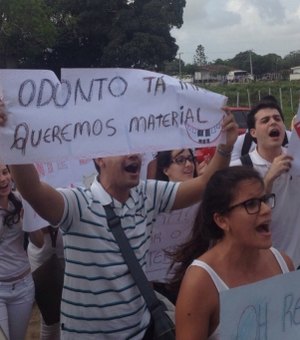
<point x="115" y="33"/>
<point x="89" y="33"/>
<point x="26" y="31"/>
<point x="292" y="59"/>
<point x="141" y="35"/>
<point x="200" y="57"/>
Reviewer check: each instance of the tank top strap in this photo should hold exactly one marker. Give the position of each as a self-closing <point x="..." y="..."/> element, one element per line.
<point x="280" y="260"/>
<point x="218" y="282"/>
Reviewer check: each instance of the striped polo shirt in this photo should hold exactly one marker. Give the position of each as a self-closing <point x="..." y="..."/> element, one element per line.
<point x="100" y="298"/>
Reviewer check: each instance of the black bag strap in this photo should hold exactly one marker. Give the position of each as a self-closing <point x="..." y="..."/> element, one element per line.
<point x="135" y="269"/>
<point x="53" y="234"/>
<point x="249" y="139"/>
<point x="246" y="160"/>
<point x="246" y="144"/>
<point x="285" y="140"/>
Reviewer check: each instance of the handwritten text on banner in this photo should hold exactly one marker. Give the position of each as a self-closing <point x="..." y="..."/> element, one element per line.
<point x="103" y="112"/>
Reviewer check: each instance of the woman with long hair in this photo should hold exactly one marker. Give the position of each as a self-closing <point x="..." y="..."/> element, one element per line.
<point x="234" y="219"/>
<point x="16" y="284"/>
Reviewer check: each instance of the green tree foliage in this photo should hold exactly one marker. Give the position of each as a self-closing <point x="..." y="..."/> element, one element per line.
<point x="292" y="59"/>
<point x="89" y="33"/>
<point x="25" y="31"/>
<point x="200" y="57"/>
<point x="141" y="37"/>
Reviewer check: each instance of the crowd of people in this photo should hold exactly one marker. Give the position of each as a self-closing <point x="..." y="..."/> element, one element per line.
<point x="245" y="230"/>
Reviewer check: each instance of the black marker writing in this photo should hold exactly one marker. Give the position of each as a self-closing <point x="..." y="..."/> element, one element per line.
<point x="172" y="119"/>
<point x="46" y="92"/>
<point x="24" y="136"/>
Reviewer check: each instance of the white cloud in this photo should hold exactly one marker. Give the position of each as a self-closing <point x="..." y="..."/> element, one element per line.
<point x="227" y="27"/>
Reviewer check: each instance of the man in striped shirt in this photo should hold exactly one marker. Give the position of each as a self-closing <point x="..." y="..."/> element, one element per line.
<point x="100" y="298"/>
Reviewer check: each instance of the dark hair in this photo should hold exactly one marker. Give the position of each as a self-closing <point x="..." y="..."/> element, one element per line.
<point x="217" y="197"/>
<point x="263" y="104"/>
<point x="13" y="216"/>
<point x="164" y="160"/>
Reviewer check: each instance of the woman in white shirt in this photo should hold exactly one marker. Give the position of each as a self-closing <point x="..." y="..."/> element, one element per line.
<point x="16" y="284"/>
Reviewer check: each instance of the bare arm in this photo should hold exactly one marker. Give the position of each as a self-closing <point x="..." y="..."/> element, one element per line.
<point x="288" y="261"/>
<point x="197" y="306"/>
<point x="191" y="191"/>
<point x="43" y="198"/>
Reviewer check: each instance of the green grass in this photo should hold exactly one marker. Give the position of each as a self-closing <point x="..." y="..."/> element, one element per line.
<point x="286" y="92"/>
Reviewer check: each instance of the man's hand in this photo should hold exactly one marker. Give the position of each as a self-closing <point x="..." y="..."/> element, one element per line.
<point x="231" y="128"/>
<point x="280" y="165"/>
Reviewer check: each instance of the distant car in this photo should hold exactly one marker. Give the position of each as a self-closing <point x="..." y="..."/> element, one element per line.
<point x="239" y="76"/>
<point x="240" y="115"/>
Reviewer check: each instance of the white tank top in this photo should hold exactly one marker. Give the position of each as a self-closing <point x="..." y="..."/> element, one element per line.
<point x="221" y="285"/>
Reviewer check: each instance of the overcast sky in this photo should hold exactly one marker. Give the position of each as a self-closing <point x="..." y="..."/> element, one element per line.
<point x="227" y="27"/>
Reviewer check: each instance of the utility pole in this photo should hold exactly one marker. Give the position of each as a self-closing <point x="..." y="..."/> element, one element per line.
<point x="180" y="53"/>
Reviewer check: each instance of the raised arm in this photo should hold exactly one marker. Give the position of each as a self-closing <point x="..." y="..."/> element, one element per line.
<point x="43" y="198"/>
<point x="190" y="192"/>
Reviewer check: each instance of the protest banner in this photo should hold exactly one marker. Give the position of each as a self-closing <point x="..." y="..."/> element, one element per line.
<point x="103" y="112"/>
<point x="169" y="231"/>
<point x="266" y="310"/>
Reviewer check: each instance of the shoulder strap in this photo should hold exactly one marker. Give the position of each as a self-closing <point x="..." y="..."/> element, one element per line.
<point x="247" y="144"/>
<point x="135" y="269"/>
<point x="280" y="260"/>
<point x="218" y="282"/>
<point x="246" y="160"/>
<point x="285" y="140"/>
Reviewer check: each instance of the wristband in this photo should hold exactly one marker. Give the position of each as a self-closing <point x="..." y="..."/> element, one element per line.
<point x="223" y="153"/>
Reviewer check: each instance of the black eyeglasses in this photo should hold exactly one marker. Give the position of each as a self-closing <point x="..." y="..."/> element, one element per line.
<point x="181" y="160"/>
<point x="253" y="205"/>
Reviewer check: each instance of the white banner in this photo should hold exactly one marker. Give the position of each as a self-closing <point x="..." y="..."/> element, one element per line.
<point x="103" y="112"/>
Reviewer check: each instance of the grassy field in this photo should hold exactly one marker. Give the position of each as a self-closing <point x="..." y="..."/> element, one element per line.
<point x="247" y="94"/>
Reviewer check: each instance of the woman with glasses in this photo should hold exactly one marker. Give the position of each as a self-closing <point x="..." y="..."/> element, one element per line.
<point x="234" y="217"/>
<point x="16" y="284"/>
<point x="175" y="165"/>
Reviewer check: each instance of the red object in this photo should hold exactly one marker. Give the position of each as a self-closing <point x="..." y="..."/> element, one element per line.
<point x="240" y="116"/>
<point x="297" y="128"/>
<point x="204" y="154"/>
